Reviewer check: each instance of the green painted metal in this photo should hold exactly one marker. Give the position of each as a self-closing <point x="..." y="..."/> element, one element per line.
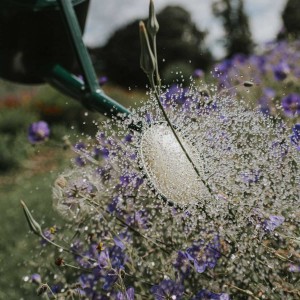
<point x="96" y="100"/>
<point x="83" y="57"/>
<point x="91" y="94"/>
<point x="33" y="4"/>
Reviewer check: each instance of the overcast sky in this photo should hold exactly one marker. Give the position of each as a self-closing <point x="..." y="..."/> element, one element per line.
<point x="106" y="16"/>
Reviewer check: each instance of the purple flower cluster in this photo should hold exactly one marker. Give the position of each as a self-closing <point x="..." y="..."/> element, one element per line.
<point x="272" y="223"/>
<point x="175" y="95"/>
<point x="38" y="132"/>
<point x="280" y="62"/>
<point x="207" y="295"/>
<point x="167" y="289"/>
<point x="201" y="254"/>
<point x="106" y="265"/>
<point x="205" y="254"/>
<point x="295" y="137"/>
<point x="291" y="105"/>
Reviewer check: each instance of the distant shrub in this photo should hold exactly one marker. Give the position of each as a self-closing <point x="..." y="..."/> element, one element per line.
<point x="177" y="72"/>
<point x="13" y="121"/>
<point x="13" y="150"/>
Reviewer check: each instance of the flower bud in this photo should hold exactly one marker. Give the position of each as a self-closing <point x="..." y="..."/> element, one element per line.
<point x="33" y="224"/>
<point x="152" y="23"/>
<point x="147" y="60"/>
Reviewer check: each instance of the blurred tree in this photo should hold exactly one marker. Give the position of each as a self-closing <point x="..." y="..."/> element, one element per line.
<point x="291" y="18"/>
<point x="178" y="40"/>
<point x="238" y="37"/>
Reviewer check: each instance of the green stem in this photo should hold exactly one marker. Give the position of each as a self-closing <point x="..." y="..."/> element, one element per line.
<point x="247" y="292"/>
<point x="67" y="250"/>
<point x="156" y="62"/>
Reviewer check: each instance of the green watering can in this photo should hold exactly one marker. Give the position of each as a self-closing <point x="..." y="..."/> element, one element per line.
<point x="41" y="41"/>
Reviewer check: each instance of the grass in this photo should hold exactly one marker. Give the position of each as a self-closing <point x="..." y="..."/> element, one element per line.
<point x="32" y="184"/>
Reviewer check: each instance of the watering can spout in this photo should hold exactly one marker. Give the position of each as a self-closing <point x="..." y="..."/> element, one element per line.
<point x="41" y="41"/>
<point x="95" y="100"/>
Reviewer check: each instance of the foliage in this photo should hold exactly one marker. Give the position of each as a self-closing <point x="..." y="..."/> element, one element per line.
<point x="291" y="19"/>
<point x="236" y="26"/>
<point x="14" y="146"/>
<point x="178" y="72"/>
<point x="30" y="182"/>
<point x="177" y="37"/>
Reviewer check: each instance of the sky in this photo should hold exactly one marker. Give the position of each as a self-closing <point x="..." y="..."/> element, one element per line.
<point x="105" y="17"/>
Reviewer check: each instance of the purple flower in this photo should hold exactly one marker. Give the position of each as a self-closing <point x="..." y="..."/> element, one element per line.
<point x="111" y="207"/>
<point x="112" y="257"/>
<point x="265" y="100"/>
<point x="138" y="219"/>
<point x="128" y="138"/>
<point x="79" y="146"/>
<point x="269" y="93"/>
<point x="36" y="278"/>
<point x="259" y="61"/>
<point x="251" y="177"/>
<point x="207" y="295"/>
<point x="102" y="80"/>
<point x="291" y="105"/>
<point x="222" y="68"/>
<point x="101" y="152"/>
<point x="182" y="263"/>
<point x="205" y="255"/>
<point x="129" y="295"/>
<point x="49" y="234"/>
<point x="295" y="137"/>
<point x="122" y="239"/>
<point x="111" y="261"/>
<point x="239" y="58"/>
<point x="281" y="71"/>
<point x="198" y="73"/>
<point x="103" y="172"/>
<point x="38" y="132"/>
<point x="294" y="268"/>
<point x="272" y="223"/>
<point x="80" y="161"/>
<point x="88" y="286"/>
<point x="132" y="180"/>
<point x="175" y="94"/>
<point x="167" y="289"/>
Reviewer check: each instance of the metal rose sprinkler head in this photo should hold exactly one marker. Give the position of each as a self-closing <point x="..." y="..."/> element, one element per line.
<point x="167" y="167"/>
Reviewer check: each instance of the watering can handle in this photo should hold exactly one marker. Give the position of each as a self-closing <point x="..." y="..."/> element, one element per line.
<point x="89" y="92"/>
